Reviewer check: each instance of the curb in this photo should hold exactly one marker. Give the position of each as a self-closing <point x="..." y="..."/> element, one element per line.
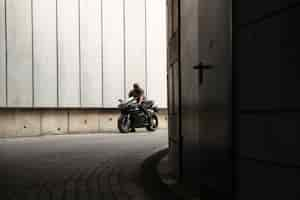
<point x="151" y="180"/>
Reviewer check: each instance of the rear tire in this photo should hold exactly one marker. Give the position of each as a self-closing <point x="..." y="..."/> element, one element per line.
<point x="123" y="124"/>
<point x="154" y="123"/>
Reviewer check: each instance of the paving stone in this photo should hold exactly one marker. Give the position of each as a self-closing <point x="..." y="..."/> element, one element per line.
<point x="93" y="189"/>
<point x="32" y="194"/>
<point x="44" y="194"/>
<point x="57" y="193"/>
<point x="81" y="167"/>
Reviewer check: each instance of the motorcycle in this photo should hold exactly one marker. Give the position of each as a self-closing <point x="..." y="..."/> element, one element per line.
<point x="133" y="116"/>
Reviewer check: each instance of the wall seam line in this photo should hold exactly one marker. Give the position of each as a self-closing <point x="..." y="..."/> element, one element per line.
<point x="272" y="111"/>
<point x="6" y="53"/>
<point x="57" y="57"/>
<point x="32" y="56"/>
<point x="79" y="55"/>
<point x="68" y="121"/>
<point x="180" y="94"/>
<point x="102" y="65"/>
<point x="146" y="50"/>
<point x="124" y="48"/>
<point x="268" y="162"/>
<point x="269" y="15"/>
<point x="40" y="112"/>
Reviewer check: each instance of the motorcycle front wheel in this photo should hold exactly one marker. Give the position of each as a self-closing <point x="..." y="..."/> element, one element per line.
<point x="154" y="123"/>
<point x="124" y="124"/>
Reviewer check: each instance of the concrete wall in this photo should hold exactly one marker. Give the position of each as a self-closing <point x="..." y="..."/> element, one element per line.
<point x="76" y="53"/>
<point x="267" y="49"/>
<point x="200" y="138"/>
<point x="27" y="122"/>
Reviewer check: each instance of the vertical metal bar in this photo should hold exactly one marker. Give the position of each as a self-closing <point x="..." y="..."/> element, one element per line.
<point x="102" y="96"/>
<point x="5" y="32"/>
<point x="57" y="58"/>
<point x="167" y="50"/>
<point x="79" y="56"/>
<point x="179" y="93"/>
<point x="68" y="121"/>
<point x="124" y="47"/>
<point x="234" y="115"/>
<point x="146" y="50"/>
<point x="41" y="124"/>
<point x="32" y="56"/>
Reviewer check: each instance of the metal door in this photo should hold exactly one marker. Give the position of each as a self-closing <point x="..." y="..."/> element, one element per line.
<point x="205" y="93"/>
<point x="173" y="74"/>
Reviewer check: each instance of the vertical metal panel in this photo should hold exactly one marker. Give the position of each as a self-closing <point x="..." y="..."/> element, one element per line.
<point x="68" y="53"/>
<point x="19" y="53"/>
<point x="135" y="42"/>
<point x="45" y="54"/>
<point x="156" y="51"/>
<point x="91" y="59"/>
<point x="170" y="17"/>
<point x="2" y="54"/>
<point x="113" y="52"/>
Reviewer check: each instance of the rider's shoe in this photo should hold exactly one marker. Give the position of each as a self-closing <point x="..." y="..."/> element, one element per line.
<point x="132" y="130"/>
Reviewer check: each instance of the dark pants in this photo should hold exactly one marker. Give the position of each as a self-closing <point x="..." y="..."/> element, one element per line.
<point x="144" y="109"/>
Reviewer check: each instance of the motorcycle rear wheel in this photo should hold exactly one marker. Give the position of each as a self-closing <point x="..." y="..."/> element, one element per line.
<point x="154" y="123"/>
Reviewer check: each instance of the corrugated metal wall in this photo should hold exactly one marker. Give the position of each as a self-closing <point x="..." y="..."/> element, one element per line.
<point x="44" y="53"/>
<point x="156" y="53"/>
<point x="2" y="54"/>
<point x="19" y="53"/>
<point x="76" y="53"/>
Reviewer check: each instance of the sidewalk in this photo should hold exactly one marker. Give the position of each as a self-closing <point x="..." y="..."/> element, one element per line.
<point x="158" y="181"/>
<point x="151" y="180"/>
<point x="77" y="167"/>
<point x="181" y="191"/>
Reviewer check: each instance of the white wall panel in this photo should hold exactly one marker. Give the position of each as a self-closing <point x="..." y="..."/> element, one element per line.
<point x="86" y="32"/>
<point x="156" y="51"/>
<point x="45" y="54"/>
<point x="2" y="55"/>
<point x="68" y="50"/>
<point x="19" y="53"/>
<point x="91" y="57"/>
<point x="135" y="43"/>
<point x="113" y="52"/>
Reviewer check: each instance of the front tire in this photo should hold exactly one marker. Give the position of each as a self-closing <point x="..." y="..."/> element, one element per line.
<point x="153" y="124"/>
<point x="124" y="124"/>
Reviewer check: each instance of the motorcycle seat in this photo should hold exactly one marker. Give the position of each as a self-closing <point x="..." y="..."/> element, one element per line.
<point x="148" y="103"/>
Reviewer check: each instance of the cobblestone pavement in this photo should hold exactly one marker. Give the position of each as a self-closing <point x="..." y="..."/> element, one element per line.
<point x="76" y="167"/>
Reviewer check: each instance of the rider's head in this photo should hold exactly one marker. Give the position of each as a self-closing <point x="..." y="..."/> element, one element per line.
<point x="136" y="86"/>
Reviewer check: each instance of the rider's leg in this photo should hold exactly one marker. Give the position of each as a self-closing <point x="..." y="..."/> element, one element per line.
<point x="144" y="109"/>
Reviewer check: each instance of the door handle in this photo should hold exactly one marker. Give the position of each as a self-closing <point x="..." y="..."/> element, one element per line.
<point x="201" y="67"/>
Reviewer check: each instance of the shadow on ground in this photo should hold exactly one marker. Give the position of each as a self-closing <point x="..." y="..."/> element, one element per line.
<point x="151" y="180"/>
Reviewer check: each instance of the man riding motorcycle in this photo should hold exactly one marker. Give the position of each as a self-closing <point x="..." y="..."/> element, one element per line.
<point x="138" y="93"/>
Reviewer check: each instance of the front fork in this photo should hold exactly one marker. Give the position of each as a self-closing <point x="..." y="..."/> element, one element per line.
<point x="150" y="112"/>
<point x="127" y="120"/>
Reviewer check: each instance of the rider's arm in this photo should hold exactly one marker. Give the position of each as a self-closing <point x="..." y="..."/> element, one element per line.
<point x="141" y="99"/>
<point x="130" y="94"/>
